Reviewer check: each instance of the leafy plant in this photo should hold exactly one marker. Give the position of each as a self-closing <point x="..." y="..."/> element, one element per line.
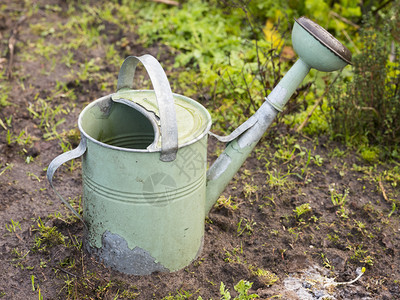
<point x="47" y="237"/>
<point x="266" y="277"/>
<point x="361" y="255"/>
<point x="4" y="89"/>
<point x="302" y="209"/>
<point x="337" y="198"/>
<point x="366" y="110"/>
<point x="234" y="256"/>
<point x="7" y="167"/>
<point x="227" y="203"/>
<point x="242" y="287"/>
<point x="13" y="226"/>
<point x="249" y="226"/>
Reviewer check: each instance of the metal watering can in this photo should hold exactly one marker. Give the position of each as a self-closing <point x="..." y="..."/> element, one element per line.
<point x="146" y="187"/>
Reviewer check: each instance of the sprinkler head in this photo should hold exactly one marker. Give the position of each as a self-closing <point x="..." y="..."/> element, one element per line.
<point x="317" y="47"/>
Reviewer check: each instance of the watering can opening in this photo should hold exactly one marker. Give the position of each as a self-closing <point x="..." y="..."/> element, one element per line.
<point x="130" y="121"/>
<point x="116" y="125"/>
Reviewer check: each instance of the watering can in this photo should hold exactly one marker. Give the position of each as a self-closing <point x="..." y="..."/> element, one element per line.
<point x="146" y="187"/>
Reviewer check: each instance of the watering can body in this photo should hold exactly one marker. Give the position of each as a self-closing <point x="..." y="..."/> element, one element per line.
<point x="143" y="214"/>
<point x="143" y="211"/>
<point x="146" y="187"/>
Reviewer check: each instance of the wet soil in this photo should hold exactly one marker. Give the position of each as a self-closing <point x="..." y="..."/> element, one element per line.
<point x="301" y="251"/>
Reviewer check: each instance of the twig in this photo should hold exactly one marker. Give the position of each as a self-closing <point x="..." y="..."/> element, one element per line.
<point x="65" y="271"/>
<point x="381" y="6"/>
<point x="383" y="191"/>
<point x="169" y="2"/>
<point x="361" y="273"/>
<point x="302" y="125"/>
<point x="351" y="41"/>
<point x="343" y="19"/>
<point x="11" y="44"/>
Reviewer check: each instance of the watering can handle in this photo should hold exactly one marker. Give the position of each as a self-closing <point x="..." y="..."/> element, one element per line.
<point x="165" y="99"/>
<point x="58" y="161"/>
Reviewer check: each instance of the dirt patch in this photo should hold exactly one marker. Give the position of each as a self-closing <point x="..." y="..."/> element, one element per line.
<point x="300" y="215"/>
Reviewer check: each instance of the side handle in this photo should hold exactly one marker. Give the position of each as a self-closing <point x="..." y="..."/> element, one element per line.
<point x="57" y="162"/>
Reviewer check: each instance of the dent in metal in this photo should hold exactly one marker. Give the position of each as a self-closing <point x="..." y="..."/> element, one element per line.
<point x="104" y="104"/>
<point x="116" y="254"/>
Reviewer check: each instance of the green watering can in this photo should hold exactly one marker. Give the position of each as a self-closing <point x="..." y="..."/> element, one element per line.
<point x="146" y="187"/>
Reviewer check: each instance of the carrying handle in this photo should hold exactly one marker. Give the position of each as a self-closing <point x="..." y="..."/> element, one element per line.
<point x="165" y="99"/>
<point x="57" y="162"/>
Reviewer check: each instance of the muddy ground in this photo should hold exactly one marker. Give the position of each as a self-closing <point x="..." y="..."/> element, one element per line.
<point x="301" y="214"/>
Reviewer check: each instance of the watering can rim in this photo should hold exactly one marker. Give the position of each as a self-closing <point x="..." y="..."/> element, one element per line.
<point x="206" y="130"/>
<point x="325" y="38"/>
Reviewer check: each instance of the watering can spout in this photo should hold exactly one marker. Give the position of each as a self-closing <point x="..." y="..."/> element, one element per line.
<point x="316" y="49"/>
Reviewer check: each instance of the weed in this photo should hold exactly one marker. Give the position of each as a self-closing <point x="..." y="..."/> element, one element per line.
<point x="309" y="157"/>
<point x="226" y="202"/>
<point x="248" y="227"/>
<point x="366" y="110"/>
<point x="270" y="202"/>
<point x="360" y="255"/>
<point x="326" y="262"/>
<point x="4" y="89"/>
<point x="23" y="138"/>
<point x="337" y="153"/>
<point x="29" y="159"/>
<point x="266" y="277"/>
<point x="7" y="167"/>
<point x="392" y="176"/>
<point x="277" y="179"/>
<point x="296" y="234"/>
<point x="13" y="226"/>
<point x="33" y="282"/>
<point x="337" y="198"/>
<point x="234" y="256"/>
<point x="302" y="209"/>
<point x="318" y="160"/>
<point x="42" y="264"/>
<point x="181" y="295"/>
<point x="394" y="207"/>
<point x="47" y="115"/>
<point x="370" y="154"/>
<point x="334" y="238"/>
<point x="47" y="237"/>
<point x="19" y="258"/>
<point x="250" y="190"/>
<point x="30" y="174"/>
<point x="242" y="287"/>
<point x="68" y="263"/>
<point x="360" y="226"/>
<point x="76" y="203"/>
<point x="274" y="232"/>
